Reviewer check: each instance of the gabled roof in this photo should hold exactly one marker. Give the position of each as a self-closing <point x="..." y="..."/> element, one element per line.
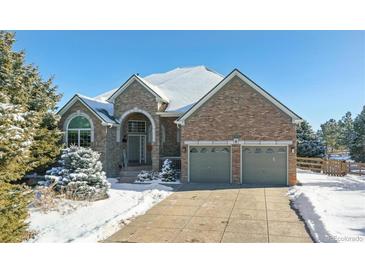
<point x="152" y="89"/>
<point x="103" y="110"/>
<point x="295" y="118"/>
<point x="184" y="86"/>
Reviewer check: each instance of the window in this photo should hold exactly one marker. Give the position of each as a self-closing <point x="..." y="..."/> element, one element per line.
<point x="79" y="132"/>
<point x="136" y="126"/>
<point x="258" y="150"/>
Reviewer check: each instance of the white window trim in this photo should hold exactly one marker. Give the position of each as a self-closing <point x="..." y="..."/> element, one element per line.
<point x="68" y="120"/>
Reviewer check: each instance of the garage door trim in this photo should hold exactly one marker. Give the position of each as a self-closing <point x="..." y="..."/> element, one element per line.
<point x="263" y="144"/>
<point x="211" y="145"/>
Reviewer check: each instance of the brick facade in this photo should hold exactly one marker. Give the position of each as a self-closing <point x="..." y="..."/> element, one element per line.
<point x="235" y="110"/>
<point x="238" y="110"/>
<point x="171" y="145"/>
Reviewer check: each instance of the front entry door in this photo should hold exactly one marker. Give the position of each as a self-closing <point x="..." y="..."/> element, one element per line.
<point x="136" y="149"/>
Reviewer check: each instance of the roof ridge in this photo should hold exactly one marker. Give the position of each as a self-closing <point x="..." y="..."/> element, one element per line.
<point x="92" y="98"/>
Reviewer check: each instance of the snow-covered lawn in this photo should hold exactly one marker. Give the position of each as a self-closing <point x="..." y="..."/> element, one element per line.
<point x="76" y="221"/>
<point x="332" y="207"/>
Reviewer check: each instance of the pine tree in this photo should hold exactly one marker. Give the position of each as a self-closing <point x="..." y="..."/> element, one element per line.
<point x="308" y="143"/>
<point x="167" y="173"/>
<point x="14" y="201"/>
<point x="357" y="147"/>
<point x="346" y="133"/>
<point x="331" y="133"/>
<point x="28" y="107"/>
<point x="79" y="175"/>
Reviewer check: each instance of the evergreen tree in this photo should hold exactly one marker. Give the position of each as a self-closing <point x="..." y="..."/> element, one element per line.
<point x="308" y="143"/>
<point x="79" y="175"/>
<point x="346" y="133"/>
<point x="167" y="173"/>
<point x="14" y="201"/>
<point x="330" y="133"/>
<point x="357" y="147"/>
<point x="27" y="108"/>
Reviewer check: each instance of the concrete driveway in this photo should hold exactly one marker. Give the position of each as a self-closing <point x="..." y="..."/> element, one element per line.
<point x="205" y="213"/>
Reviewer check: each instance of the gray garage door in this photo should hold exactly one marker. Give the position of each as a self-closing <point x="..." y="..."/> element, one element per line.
<point x="264" y="165"/>
<point x="210" y="164"/>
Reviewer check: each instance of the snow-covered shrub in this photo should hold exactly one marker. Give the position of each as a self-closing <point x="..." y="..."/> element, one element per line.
<point x="167" y="174"/>
<point x="147" y="176"/>
<point x="79" y="175"/>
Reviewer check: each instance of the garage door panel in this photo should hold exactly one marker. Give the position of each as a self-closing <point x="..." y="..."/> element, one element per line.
<point x="210" y="164"/>
<point x="264" y="165"/>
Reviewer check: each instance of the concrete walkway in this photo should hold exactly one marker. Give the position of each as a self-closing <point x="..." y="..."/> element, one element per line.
<point x="204" y="213"/>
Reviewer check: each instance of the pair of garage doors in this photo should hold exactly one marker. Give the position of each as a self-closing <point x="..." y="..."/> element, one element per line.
<point x="259" y="164"/>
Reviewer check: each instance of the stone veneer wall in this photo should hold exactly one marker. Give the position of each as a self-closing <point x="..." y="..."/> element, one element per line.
<point x="137" y="96"/>
<point x="237" y="109"/>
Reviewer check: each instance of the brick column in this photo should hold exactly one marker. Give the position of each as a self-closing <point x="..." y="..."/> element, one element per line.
<point x="292" y="168"/>
<point x="236" y="167"/>
<point x="155" y="153"/>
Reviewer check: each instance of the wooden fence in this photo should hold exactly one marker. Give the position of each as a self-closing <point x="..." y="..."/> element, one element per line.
<point x="329" y="167"/>
<point x="357" y="168"/>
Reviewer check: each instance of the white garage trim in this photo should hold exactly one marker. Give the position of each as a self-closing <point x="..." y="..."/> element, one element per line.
<point x="264" y="144"/>
<point x="243" y="142"/>
<point x="202" y="145"/>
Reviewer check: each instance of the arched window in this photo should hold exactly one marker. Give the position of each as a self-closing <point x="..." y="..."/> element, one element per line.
<point x="79" y="132"/>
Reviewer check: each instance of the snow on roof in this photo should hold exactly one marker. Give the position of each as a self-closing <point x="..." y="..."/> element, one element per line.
<point x="104" y="109"/>
<point x="183" y="86"/>
<point x="104" y="96"/>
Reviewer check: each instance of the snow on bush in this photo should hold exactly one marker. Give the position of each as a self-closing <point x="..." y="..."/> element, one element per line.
<point x="79" y="175"/>
<point x="147" y="176"/>
<point x="167" y="173"/>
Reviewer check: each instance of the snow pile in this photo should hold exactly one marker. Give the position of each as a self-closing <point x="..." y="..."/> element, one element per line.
<point x="80" y="221"/>
<point x="332" y="207"/>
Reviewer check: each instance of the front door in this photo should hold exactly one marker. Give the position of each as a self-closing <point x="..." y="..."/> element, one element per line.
<point x="136" y="149"/>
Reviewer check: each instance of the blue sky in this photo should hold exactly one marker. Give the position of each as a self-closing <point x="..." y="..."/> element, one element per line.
<point x="318" y="74"/>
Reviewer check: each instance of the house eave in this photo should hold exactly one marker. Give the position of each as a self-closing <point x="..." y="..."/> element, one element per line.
<point x="127" y="83"/>
<point x="76" y="98"/>
<point x="169" y="114"/>
<point x="295" y="118"/>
